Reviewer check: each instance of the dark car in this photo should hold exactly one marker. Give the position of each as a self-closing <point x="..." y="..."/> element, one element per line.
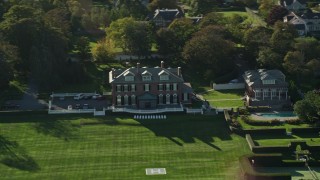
<point x="77" y="106"/>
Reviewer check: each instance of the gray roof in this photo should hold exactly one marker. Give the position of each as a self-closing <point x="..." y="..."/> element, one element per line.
<point x="289" y="2"/>
<point x="255" y="78"/>
<point x="168" y="14"/>
<point x="118" y="76"/>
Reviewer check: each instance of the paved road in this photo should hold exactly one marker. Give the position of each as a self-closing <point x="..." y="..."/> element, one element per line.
<point x="29" y="100"/>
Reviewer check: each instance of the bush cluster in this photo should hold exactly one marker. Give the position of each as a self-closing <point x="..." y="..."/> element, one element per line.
<point x="273" y="122"/>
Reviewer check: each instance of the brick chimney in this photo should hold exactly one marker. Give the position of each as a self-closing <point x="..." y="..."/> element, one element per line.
<point x="138" y="67"/>
<point x="162" y="64"/>
<point x="179" y="71"/>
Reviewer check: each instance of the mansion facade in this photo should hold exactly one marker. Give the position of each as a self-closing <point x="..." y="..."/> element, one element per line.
<point x="265" y="88"/>
<point x="149" y="88"/>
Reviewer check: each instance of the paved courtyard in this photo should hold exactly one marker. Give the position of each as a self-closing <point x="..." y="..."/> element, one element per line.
<point x="59" y="104"/>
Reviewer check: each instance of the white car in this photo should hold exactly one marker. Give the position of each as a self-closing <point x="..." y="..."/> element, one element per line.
<point x="78" y="96"/>
<point x="96" y="96"/>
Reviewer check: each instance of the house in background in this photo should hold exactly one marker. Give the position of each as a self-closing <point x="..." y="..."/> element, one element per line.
<point x="149" y="88"/>
<point x="293" y="5"/>
<point x="306" y="23"/>
<point x="164" y="17"/>
<point x="266" y="88"/>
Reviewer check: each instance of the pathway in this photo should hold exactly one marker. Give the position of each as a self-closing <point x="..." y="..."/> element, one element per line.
<point x="29" y="100"/>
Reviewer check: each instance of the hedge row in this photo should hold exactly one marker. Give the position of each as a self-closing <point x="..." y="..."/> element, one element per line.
<point x="26" y="112"/>
<point x="280" y="149"/>
<point x="251" y="174"/>
<point x="305" y="130"/>
<point x="259" y="108"/>
<point x="280" y="131"/>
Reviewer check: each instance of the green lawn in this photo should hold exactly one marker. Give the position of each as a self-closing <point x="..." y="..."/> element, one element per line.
<point x="71" y="147"/>
<point x="224" y="98"/>
<point x="231" y="13"/>
<point x="223" y="94"/>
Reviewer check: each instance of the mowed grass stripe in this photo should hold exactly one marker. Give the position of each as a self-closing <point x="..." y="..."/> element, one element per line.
<point x="189" y="147"/>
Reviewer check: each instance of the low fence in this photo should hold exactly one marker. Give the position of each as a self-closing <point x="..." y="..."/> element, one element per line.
<point x="58" y="95"/>
<point x="145" y="111"/>
<point x="72" y="111"/>
<point x="228" y="86"/>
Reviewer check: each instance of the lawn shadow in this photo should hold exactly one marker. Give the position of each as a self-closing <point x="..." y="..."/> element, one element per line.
<point x="14" y="156"/>
<point x="61" y="129"/>
<point x="188" y="129"/>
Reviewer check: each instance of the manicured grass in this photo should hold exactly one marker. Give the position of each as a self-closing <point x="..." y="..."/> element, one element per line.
<point x="311" y="139"/>
<point x="71" y="147"/>
<point x="224" y="98"/>
<point x="227" y="103"/>
<point x="285" y="125"/>
<point x="231" y="13"/>
<point x="223" y="94"/>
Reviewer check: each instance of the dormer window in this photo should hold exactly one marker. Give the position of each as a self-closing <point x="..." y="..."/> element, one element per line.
<point x="164" y="76"/>
<point x="269" y="82"/>
<point x="146" y="76"/>
<point x="129" y="76"/>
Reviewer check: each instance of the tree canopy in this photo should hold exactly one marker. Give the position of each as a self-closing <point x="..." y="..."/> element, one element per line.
<point x="309" y="108"/>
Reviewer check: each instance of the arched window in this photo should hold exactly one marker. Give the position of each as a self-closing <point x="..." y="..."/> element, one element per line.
<point x="175" y="99"/>
<point x="133" y="100"/>
<point x="118" y="100"/>
<point x="126" y="101"/>
<point x="160" y="99"/>
<point x="168" y="99"/>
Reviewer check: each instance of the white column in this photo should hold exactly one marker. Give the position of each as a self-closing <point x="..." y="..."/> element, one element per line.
<point x="286" y="95"/>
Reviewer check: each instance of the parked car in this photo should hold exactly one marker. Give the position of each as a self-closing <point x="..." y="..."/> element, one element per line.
<point x="79" y="96"/>
<point x="69" y="107"/>
<point x="85" y="106"/>
<point x="77" y="106"/>
<point x="95" y="96"/>
<point x="98" y="97"/>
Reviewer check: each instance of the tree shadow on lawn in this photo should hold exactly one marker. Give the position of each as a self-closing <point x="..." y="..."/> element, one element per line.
<point x="14" y="156"/>
<point x="62" y="129"/>
<point x="189" y="129"/>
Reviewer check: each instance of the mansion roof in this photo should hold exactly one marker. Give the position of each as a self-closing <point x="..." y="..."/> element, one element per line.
<point x="153" y="73"/>
<point x="263" y="77"/>
<point x="167" y="14"/>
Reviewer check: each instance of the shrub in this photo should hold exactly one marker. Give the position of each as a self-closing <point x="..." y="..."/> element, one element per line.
<point x="274" y="122"/>
<point x="259" y="108"/>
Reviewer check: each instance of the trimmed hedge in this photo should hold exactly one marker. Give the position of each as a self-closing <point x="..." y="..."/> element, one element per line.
<point x="251" y="174"/>
<point x="259" y="108"/>
<point x="280" y="131"/>
<point x="26" y="112"/>
<point x="305" y="130"/>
